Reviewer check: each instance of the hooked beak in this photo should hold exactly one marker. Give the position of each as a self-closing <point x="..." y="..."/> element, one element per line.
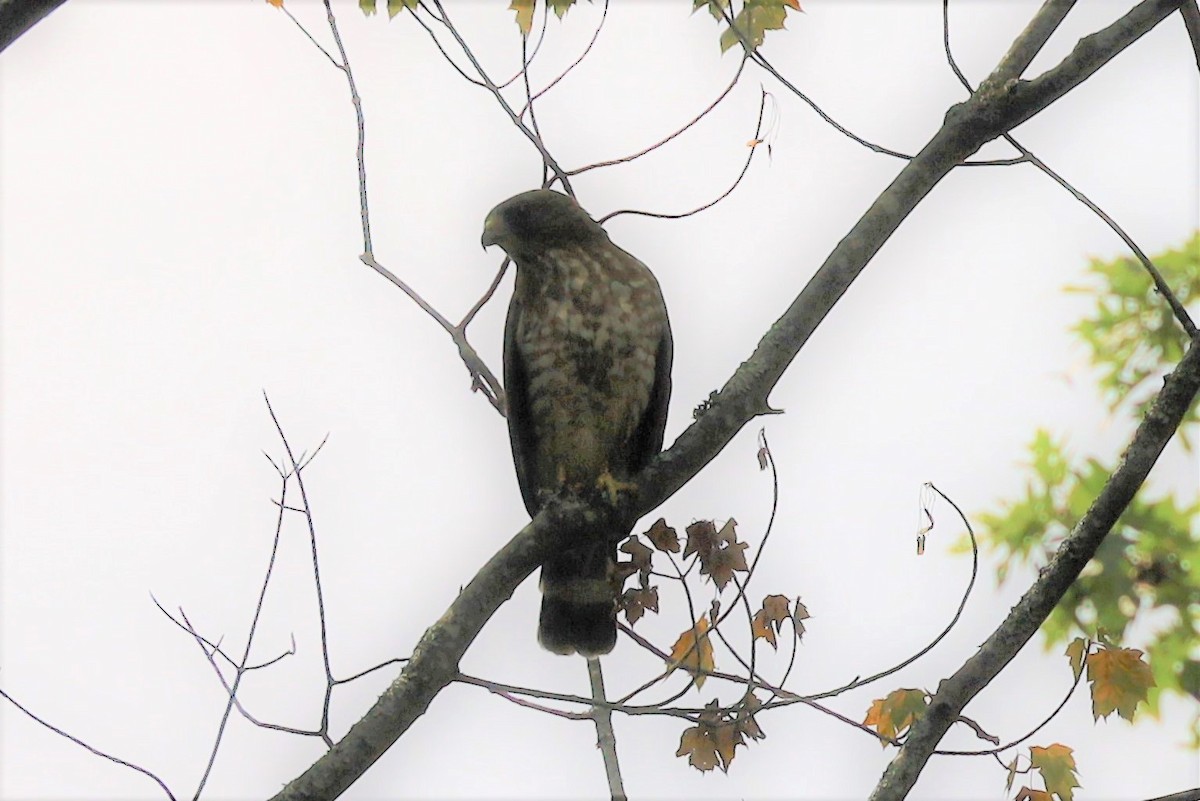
<point x="493" y="231"/>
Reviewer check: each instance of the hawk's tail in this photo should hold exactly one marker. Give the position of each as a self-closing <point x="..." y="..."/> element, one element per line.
<point x="578" y="603"/>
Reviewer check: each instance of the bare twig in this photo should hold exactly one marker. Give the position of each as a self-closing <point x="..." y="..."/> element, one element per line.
<point x="1058" y="9"/>
<point x="572" y="65"/>
<point x="745" y="168"/>
<point x="606" y="739"/>
<point x="547" y="159"/>
<point x="704" y="113"/>
<point x="162" y="785"/>
<point x="258" y="607"/>
<point x="361" y="127"/>
<point x="1028" y="734"/>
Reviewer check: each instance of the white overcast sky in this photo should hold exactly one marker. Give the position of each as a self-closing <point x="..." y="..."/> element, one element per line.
<point x="180" y="232"/>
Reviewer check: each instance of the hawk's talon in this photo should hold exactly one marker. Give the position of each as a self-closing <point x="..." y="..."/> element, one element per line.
<point x="611" y="486"/>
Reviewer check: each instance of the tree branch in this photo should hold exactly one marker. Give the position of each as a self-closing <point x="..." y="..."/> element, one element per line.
<point x="18" y="16"/>
<point x="985" y="116"/>
<point x="1159" y="425"/>
<point x="1191" y="21"/>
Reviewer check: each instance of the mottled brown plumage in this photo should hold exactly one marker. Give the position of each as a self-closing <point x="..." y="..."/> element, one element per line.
<point x="587" y="373"/>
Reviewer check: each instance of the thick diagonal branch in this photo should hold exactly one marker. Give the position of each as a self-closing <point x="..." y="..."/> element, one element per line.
<point x="1164" y="417"/>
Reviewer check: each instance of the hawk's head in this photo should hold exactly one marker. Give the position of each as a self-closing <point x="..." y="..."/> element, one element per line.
<point x="531" y="222"/>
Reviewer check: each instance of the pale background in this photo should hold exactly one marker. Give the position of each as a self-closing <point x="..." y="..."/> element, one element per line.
<point x="180" y="232"/>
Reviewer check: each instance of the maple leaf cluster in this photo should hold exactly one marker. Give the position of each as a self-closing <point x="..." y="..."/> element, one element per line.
<point x="717" y="556"/>
<point x="713" y="741"/>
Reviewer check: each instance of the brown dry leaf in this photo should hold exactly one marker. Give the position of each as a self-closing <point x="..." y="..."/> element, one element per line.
<point x="635" y="602"/>
<point x="767" y="620"/>
<point x="714" y="741"/>
<point x="761" y="628"/>
<point x="699" y="749"/>
<point x="701" y="538"/>
<point x="744" y="717"/>
<point x="723" y="563"/>
<point x="663" y="537"/>
<point x="693" y="652"/>
<point x="639" y="553"/>
<point x="1027" y="794"/>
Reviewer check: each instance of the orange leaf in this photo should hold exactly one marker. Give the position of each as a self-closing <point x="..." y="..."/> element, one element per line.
<point x="767" y="620"/>
<point x="276" y="3"/>
<point x="1033" y="795"/>
<point x="1120" y="681"/>
<point x="761" y="628"/>
<point x="891" y="716"/>
<point x="694" y="652"/>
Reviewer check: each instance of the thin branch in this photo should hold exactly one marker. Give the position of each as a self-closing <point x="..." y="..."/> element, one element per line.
<point x="1153" y="433"/>
<point x="1177" y="308"/>
<point x="572" y="65"/>
<point x="537" y="46"/>
<point x="1028" y="734"/>
<point x="1160" y="284"/>
<point x="316" y="568"/>
<point x="258" y="607"/>
<point x="370" y="670"/>
<point x="704" y="113"/>
<point x="1191" y="21"/>
<point x="311" y="38"/>
<point x="437" y="43"/>
<point x="762" y="105"/>
<point x="491" y="290"/>
<point x="606" y="739"/>
<point x="547" y="159"/>
<point x="210" y="653"/>
<point x="361" y="128"/>
<point x="166" y="790"/>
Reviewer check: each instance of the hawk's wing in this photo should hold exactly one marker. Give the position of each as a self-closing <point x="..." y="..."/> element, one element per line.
<point x="520" y="425"/>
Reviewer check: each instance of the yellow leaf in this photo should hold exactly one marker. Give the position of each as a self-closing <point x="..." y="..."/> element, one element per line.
<point x="694" y="652"/>
<point x="524" y="9"/>
<point x="891" y="716"/>
<point x="1056" y="763"/>
<point x="1075" y="653"/>
<point x="1120" y="681"/>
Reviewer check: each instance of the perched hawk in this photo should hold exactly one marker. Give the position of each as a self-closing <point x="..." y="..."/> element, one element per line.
<point x="587" y="372"/>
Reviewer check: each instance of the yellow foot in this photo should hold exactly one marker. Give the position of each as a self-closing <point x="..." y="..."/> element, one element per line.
<point x="610" y="486"/>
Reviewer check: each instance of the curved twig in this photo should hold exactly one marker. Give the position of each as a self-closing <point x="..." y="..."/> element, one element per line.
<point x="1177" y="308"/>
<point x="82" y="744"/>
<point x="707" y="110"/>
<point x="745" y="168"/>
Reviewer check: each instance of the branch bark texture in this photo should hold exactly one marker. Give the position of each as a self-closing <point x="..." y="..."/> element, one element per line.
<point x="990" y="112"/>
<point x="18" y="16"/>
